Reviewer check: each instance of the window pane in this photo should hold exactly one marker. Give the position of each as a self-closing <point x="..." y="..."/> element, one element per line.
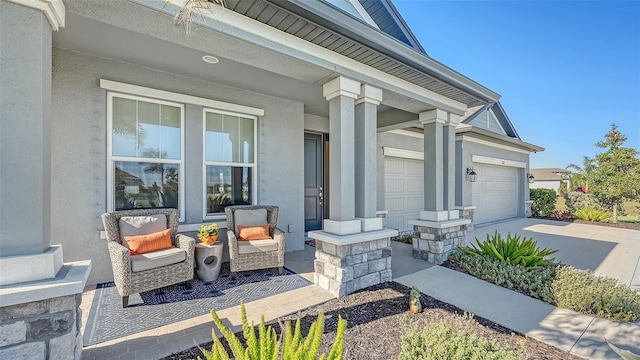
<point x="229" y="138"/>
<point x="145" y="185"/>
<point x="144" y="129"/>
<point x="227" y="185"/>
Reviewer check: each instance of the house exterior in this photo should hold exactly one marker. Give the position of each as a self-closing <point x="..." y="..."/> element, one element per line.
<point x="330" y="110"/>
<point x="549" y="178"/>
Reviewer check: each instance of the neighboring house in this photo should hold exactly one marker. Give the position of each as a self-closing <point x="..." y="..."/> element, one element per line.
<point x="549" y="178"/>
<point x="330" y="110"/>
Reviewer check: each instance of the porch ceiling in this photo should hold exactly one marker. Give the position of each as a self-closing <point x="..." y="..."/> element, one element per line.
<point x="113" y="31"/>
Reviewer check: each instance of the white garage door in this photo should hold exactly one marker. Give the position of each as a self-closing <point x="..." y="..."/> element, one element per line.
<point x="403" y="189"/>
<point x="495" y="193"/>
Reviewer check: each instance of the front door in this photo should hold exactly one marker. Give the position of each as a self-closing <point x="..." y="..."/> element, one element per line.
<point x="314" y="189"/>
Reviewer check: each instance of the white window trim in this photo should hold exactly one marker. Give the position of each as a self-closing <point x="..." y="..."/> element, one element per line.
<point x="177" y="97"/>
<point x="112" y="159"/>
<point x="205" y="163"/>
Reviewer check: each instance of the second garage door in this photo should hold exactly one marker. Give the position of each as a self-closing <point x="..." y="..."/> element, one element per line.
<point x="495" y="193"/>
<point x="403" y="188"/>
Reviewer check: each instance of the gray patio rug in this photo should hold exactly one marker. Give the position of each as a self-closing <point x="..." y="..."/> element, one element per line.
<point x="107" y="319"/>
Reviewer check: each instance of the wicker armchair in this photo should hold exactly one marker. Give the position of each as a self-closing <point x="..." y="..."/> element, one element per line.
<point x="255" y="254"/>
<point x="131" y="282"/>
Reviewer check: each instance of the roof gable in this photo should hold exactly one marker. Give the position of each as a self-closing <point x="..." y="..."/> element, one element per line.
<point x="491" y="117"/>
<point x="389" y="21"/>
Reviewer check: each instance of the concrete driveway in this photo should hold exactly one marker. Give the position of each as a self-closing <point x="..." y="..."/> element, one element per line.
<point x="604" y="250"/>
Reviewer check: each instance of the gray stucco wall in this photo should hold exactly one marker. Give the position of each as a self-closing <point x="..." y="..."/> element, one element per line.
<point x="79" y="152"/>
<point x="398" y="141"/>
<point x="468" y="149"/>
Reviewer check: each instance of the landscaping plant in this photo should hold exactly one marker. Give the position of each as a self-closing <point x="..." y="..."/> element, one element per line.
<point x="576" y="200"/>
<point x="544" y="201"/>
<point x="562" y="214"/>
<point x="267" y="346"/>
<point x="591" y="214"/>
<point x="531" y="282"/>
<point x="452" y="339"/>
<point x="581" y="291"/>
<point x="512" y="250"/>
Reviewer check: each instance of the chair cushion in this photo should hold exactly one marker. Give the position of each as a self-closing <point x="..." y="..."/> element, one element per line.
<point x="246" y="217"/>
<point x="141" y="225"/>
<point x="257" y="246"/>
<point x="151" y="242"/>
<point x="156" y="259"/>
<point x="254" y="232"/>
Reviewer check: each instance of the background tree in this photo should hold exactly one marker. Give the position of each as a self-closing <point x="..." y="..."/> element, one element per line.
<point x="617" y="174"/>
<point x="581" y="176"/>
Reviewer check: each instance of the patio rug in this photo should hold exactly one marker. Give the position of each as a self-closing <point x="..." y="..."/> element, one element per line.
<point x="107" y="319"/>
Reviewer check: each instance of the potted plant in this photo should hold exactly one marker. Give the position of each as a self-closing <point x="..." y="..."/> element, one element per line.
<point x="208" y="234"/>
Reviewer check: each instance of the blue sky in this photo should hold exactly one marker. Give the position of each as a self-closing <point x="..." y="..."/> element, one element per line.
<point x="566" y="70"/>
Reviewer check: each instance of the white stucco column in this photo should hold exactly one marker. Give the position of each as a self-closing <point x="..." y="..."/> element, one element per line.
<point x="341" y="94"/>
<point x="366" y="119"/>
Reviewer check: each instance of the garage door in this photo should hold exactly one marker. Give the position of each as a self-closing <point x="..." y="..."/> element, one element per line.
<point x="495" y="193"/>
<point x="403" y="188"/>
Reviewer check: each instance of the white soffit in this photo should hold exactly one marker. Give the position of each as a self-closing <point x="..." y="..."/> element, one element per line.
<point x="495" y="161"/>
<point x="177" y="97"/>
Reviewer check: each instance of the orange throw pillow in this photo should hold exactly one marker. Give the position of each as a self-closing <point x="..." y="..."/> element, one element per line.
<point x="253" y="232"/>
<point x="151" y="242"/>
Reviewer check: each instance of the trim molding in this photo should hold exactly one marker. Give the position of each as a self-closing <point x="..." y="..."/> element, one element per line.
<point x="177" y="97"/>
<point x="54" y="10"/>
<point x="495" y="161"/>
<point x="407" y="133"/>
<point x="492" y="144"/>
<point x="401" y="153"/>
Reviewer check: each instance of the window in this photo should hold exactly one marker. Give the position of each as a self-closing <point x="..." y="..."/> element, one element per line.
<point x="230" y="152"/>
<point x="145" y="153"/>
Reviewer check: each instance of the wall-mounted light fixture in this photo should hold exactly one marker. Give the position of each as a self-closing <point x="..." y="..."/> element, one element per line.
<point x="472" y="175"/>
<point x="530" y="178"/>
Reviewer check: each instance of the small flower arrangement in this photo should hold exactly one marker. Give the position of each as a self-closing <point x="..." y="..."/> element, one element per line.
<point x="208" y="234"/>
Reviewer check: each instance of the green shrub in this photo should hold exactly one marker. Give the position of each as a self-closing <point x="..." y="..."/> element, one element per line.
<point x="456" y="338"/>
<point x="591" y="214"/>
<point x="532" y="282"/>
<point x="404" y="237"/>
<point x="581" y="291"/>
<point x="544" y="201"/>
<point x="523" y="252"/>
<point x="266" y="345"/>
<point x="576" y="200"/>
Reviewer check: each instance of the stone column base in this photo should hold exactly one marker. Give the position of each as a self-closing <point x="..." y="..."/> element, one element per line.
<point x="466" y="212"/>
<point x="433" y="242"/>
<point x="347" y="264"/>
<point x="527" y="208"/>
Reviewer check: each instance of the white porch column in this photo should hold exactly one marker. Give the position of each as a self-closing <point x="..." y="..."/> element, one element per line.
<point x="341" y="94"/>
<point x="366" y="115"/>
<point x="352" y="254"/>
<point x="32" y="272"/>
<point x="439" y="230"/>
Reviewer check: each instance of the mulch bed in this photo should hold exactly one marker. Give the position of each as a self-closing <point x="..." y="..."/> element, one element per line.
<point x="620" y="225"/>
<point x="374" y="325"/>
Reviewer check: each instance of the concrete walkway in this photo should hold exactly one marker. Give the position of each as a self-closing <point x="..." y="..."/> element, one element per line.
<point x="608" y="251"/>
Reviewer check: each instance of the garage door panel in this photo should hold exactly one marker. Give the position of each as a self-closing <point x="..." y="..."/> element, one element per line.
<point x="415" y="185"/>
<point x="393" y="166"/>
<point x="394" y="185"/>
<point x="404" y="186"/>
<point x="495" y="194"/>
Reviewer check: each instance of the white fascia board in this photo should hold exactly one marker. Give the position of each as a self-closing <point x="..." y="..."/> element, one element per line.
<point x="496" y="161"/>
<point x="401" y="153"/>
<point x="492" y="144"/>
<point x="408" y="133"/>
<point x="266" y="36"/>
<point x="400" y="126"/>
<point x="177" y="97"/>
<point x="54" y="10"/>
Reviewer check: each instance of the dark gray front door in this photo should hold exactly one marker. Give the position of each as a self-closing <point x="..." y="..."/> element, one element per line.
<point x="314" y="191"/>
